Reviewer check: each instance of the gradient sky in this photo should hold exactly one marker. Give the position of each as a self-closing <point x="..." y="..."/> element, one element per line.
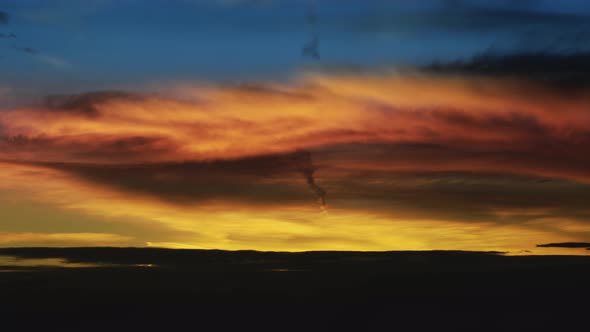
<point x="200" y="124"/>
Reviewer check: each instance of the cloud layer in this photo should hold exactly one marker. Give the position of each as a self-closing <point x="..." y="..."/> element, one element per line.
<point x="461" y="150"/>
<point x="411" y="121"/>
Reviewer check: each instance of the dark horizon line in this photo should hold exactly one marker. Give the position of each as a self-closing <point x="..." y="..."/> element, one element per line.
<point x="250" y="250"/>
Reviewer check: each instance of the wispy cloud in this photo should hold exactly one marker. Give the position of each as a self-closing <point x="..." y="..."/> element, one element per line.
<point x="62" y="11"/>
<point x="53" y="61"/>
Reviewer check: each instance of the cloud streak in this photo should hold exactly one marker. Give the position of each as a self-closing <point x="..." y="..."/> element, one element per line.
<point x="583" y="245"/>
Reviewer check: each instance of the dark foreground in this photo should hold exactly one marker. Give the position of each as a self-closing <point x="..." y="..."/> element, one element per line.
<point x="193" y="290"/>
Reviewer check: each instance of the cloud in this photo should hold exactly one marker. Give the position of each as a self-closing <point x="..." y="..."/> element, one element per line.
<point x="465" y="16"/>
<point x="304" y="164"/>
<point x="479" y="151"/>
<point x="565" y="72"/>
<point x="454" y="123"/>
<point x="53" y="61"/>
<point x="85" y="103"/>
<point x="565" y="245"/>
<point x="28" y="50"/>
<point x="262" y="180"/>
<point x="234" y="222"/>
<point x="275" y="181"/>
<point x="4" y="17"/>
<point x="90" y="148"/>
<point x="484" y="24"/>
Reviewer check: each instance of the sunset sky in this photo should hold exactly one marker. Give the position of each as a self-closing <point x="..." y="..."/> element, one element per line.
<point x="420" y="125"/>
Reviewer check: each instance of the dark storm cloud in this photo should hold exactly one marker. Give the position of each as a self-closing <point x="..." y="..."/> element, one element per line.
<point x="85" y="103"/>
<point x="269" y="179"/>
<point x="562" y="71"/>
<point x="276" y="179"/>
<point x="468" y="197"/>
<point x="414" y="181"/>
<point x="565" y="245"/>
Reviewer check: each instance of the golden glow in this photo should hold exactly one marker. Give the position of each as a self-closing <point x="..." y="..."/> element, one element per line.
<point x="38" y="262"/>
<point x="234" y="227"/>
<point x="6" y="239"/>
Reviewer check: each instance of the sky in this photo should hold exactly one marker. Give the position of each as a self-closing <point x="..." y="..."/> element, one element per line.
<point x="423" y="125"/>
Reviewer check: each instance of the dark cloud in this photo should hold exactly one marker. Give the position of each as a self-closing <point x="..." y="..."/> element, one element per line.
<point x="423" y="181"/>
<point x="566" y="245"/>
<point x="470" y="4"/>
<point x="28" y="50"/>
<point x="464" y="16"/>
<point x="85" y="103"/>
<point x="9" y="142"/>
<point x="4" y="17"/>
<point x="276" y="180"/>
<point x="264" y="179"/>
<point x="563" y="71"/>
<point x="312" y="48"/>
<point x="88" y="148"/>
<point x="122" y="147"/>
<point x="513" y="122"/>
<point x="304" y="164"/>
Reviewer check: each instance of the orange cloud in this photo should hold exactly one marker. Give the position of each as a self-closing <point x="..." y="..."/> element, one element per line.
<point x="497" y="124"/>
